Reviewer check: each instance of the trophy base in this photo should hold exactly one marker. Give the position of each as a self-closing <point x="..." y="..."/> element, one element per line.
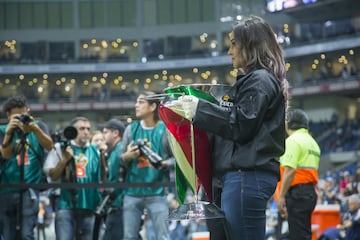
<point x="196" y="210"/>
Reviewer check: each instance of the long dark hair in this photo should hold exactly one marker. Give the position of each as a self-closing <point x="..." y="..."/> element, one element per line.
<point x="259" y="48"/>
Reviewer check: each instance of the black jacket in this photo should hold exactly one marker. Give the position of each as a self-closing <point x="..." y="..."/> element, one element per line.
<point x="248" y="128"/>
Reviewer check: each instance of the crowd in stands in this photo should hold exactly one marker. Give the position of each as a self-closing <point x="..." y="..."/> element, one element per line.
<point x="335" y="136"/>
<point x="338" y="187"/>
<point x="338" y="137"/>
<point x="300" y="34"/>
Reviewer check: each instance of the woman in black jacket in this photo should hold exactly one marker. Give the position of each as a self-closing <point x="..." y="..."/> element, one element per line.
<point x="248" y="127"/>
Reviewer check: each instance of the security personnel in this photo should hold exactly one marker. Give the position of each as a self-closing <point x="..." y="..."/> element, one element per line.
<point x="299" y="175"/>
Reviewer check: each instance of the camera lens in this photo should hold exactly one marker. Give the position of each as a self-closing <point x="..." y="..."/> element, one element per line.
<point x="70" y="132"/>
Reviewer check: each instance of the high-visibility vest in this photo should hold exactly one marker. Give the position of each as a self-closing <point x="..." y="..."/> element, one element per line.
<point x="302" y="153"/>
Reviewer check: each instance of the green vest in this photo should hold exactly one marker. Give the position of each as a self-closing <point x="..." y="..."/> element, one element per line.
<point x="114" y="166"/>
<point x="87" y="162"/>
<point x="33" y="161"/>
<point x="140" y="170"/>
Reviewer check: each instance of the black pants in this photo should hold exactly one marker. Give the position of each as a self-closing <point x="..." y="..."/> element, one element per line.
<point x="300" y="203"/>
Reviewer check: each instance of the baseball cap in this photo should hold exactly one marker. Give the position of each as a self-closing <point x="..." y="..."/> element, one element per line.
<point x="115" y="124"/>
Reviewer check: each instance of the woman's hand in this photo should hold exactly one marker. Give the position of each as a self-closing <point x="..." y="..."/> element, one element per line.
<point x="189" y="105"/>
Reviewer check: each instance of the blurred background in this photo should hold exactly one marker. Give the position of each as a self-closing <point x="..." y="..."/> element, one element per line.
<point x="92" y="57"/>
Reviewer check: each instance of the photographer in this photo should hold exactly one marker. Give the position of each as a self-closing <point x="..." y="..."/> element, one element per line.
<point x="140" y="170"/>
<point x="75" y="161"/>
<point x="23" y="145"/>
<point x="113" y="131"/>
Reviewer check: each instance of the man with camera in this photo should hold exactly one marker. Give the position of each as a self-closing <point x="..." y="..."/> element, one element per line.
<point x="24" y="142"/>
<point x="75" y="161"/>
<point x="151" y="132"/>
<point x="113" y="131"/>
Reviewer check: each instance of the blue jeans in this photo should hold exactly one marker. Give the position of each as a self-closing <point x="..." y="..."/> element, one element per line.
<point x="158" y="209"/>
<point x="9" y="202"/>
<point x="244" y="199"/>
<point x="114" y="225"/>
<point x="66" y="224"/>
<point x="179" y="233"/>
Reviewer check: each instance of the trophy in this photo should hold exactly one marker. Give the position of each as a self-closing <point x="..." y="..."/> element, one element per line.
<point x="191" y="150"/>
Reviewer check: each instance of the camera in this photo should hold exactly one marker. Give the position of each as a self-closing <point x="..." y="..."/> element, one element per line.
<point x="65" y="136"/>
<point x="153" y="157"/>
<point x="24" y="118"/>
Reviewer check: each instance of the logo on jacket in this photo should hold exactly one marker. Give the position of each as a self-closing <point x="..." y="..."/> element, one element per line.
<point x="226" y="102"/>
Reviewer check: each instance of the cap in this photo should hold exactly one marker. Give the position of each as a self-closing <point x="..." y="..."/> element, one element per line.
<point x="115" y="124"/>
